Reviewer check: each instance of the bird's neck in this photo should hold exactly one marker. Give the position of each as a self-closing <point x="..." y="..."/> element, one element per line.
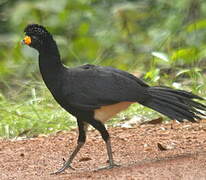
<point x="49" y="55"/>
<point x="49" y="61"/>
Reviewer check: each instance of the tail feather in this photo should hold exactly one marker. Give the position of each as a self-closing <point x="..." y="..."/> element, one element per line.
<point x="181" y="98"/>
<point x="166" y="111"/>
<point x="175" y="91"/>
<point x="183" y="105"/>
<point x="176" y="104"/>
<point x="177" y="112"/>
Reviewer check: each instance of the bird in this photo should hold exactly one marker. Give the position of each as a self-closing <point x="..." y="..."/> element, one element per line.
<point x="94" y="94"/>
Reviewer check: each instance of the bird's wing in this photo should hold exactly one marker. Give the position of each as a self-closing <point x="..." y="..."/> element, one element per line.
<point x="125" y="74"/>
<point x="94" y="86"/>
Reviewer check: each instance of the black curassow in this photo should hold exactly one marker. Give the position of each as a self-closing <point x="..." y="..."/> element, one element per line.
<point x="94" y="94"/>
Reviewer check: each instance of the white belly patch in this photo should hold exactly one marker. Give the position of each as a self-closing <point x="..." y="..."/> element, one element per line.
<point x="106" y="112"/>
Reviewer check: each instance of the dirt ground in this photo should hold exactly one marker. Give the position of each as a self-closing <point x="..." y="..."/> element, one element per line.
<point x="160" y="151"/>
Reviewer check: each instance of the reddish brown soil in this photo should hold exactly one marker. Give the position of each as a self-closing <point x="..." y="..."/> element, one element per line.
<point x="135" y="149"/>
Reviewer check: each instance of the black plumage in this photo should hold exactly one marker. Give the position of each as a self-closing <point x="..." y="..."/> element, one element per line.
<point x="93" y="94"/>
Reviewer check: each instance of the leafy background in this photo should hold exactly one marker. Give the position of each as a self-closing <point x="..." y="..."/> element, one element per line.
<point x="162" y="42"/>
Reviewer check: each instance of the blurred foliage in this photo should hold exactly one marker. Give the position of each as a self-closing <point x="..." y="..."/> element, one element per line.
<point x="150" y="38"/>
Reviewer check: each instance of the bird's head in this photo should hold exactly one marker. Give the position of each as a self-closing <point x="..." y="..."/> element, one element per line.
<point x="36" y="36"/>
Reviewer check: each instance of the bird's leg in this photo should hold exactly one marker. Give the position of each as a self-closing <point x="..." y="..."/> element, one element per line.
<point x="67" y="164"/>
<point x="105" y="135"/>
<point x="110" y="156"/>
<point x="81" y="140"/>
<point x="109" y="152"/>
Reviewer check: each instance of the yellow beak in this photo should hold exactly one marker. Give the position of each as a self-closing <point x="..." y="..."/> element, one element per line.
<point x="27" y="40"/>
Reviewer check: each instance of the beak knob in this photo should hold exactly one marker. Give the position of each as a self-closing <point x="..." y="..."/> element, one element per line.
<point x="27" y="40"/>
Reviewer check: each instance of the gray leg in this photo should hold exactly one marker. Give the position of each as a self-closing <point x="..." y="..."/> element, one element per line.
<point x="105" y="135"/>
<point x="67" y="164"/>
<point x="110" y="156"/>
<point x="109" y="152"/>
<point x="81" y="140"/>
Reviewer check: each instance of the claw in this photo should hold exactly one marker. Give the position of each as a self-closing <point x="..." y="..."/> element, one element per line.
<point x="62" y="169"/>
<point x="115" y="165"/>
<point x="64" y="161"/>
<point x="108" y="167"/>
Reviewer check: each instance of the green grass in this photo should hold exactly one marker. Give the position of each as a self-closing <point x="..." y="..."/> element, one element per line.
<point x="33" y="112"/>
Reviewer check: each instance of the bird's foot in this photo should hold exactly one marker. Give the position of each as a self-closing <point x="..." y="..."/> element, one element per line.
<point x="108" y="167"/>
<point x="62" y="169"/>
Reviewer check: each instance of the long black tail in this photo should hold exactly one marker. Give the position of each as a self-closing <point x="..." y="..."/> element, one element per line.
<point x="176" y="104"/>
